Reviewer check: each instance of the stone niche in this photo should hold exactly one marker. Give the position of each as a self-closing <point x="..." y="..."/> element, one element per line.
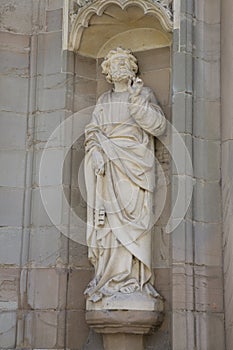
<point x="91" y="29"/>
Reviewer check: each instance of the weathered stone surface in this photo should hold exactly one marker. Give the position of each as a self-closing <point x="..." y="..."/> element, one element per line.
<point x="54" y="20"/>
<point x="12" y="171"/>
<point x="208" y="11"/>
<point x="78" y="281"/>
<point x="49" y="59"/>
<point x="208" y="244"/>
<point x="11" y="206"/>
<point x="46" y="288"/>
<point x="14" y="89"/>
<point x="206" y="160"/>
<point x="210" y="330"/>
<point x="10" y="246"/>
<point x="159" y="82"/>
<point x="48" y="248"/>
<point x="13" y="131"/>
<point x="206" y="121"/>
<point x="207" y="206"/>
<point x="207" y="39"/>
<point x="9" y="279"/>
<point x="8" y="329"/>
<point x="208" y="289"/>
<point x="85" y="67"/>
<point x="208" y="87"/>
<point x="44" y="329"/>
<point x="77" y="330"/>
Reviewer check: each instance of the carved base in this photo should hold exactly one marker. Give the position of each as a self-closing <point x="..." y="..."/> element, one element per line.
<point x="133" y="301"/>
<point x="123" y="329"/>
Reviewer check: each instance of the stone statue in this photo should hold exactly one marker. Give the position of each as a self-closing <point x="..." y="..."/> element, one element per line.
<point x="120" y="181"/>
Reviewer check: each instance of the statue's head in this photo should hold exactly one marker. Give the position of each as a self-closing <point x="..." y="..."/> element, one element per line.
<point x="120" y="64"/>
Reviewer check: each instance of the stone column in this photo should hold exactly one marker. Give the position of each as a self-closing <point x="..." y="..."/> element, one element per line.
<point x="197" y="292"/>
<point x="227" y="169"/>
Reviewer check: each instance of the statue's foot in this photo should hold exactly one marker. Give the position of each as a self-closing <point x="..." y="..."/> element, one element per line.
<point x="129" y="287"/>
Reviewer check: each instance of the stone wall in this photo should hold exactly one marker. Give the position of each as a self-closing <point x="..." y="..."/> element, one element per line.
<point x="227" y="169"/>
<point x="42" y="273"/>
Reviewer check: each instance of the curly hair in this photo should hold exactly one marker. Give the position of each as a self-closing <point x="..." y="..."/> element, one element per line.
<point x="119" y="50"/>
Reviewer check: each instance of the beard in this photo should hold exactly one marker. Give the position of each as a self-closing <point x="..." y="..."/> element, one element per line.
<point x="122" y="74"/>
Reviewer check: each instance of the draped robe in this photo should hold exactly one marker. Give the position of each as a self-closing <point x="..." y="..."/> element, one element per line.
<point x="120" y="247"/>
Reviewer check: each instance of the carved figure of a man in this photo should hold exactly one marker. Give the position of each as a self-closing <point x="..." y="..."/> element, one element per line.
<point x="120" y="180"/>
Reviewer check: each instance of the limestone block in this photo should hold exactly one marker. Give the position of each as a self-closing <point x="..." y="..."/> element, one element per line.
<point x="159" y="82"/>
<point x="78" y="255"/>
<point x="78" y="203"/>
<point x="39" y="214"/>
<point x="207" y="202"/>
<point x="182" y="296"/>
<point x="208" y="244"/>
<point x="182" y="245"/>
<point x="207" y="41"/>
<point x="49" y="58"/>
<point x="10" y="245"/>
<point x="15" y="42"/>
<point x="14" y="63"/>
<point x="54" y="20"/>
<point x="102" y="86"/>
<point x="13" y="131"/>
<point x="78" y="281"/>
<point x="206" y="161"/>
<point x="159" y="338"/>
<point x="183" y="325"/>
<point x="48" y="248"/>
<point x="227" y="127"/>
<point x="54" y="4"/>
<point x="8" y="329"/>
<point x="12" y="171"/>
<point x="85" y="67"/>
<point x="186" y="31"/>
<point x="162" y="282"/>
<point x="21" y="12"/>
<point x="9" y="279"/>
<point x="13" y="94"/>
<point x="182" y="111"/>
<point x="59" y="173"/>
<point x="227" y="166"/>
<point x="123" y="341"/>
<point x="45" y="125"/>
<point x="43" y="329"/>
<point x="208" y="11"/>
<point x="84" y="101"/>
<point x="11" y="206"/>
<point x="77" y="330"/>
<point x="77" y="166"/>
<point x="85" y="86"/>
<point x="52" y="92"/>
<point x="183" y="165"/>
<point x="206" y="121"/>
<point x="208" y="289"/>
<point x="160" y="247"/>
<point x="210" y="330"/>
<point x="47" y="288"/>
<point x="182" y="75"/>
<point x="154" y="59"/>
<point x="208" y="87"/>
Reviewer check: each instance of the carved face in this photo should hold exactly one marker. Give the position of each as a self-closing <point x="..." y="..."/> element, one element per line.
<point x="120" y="68"/>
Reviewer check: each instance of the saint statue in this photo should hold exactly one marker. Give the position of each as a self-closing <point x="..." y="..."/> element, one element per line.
<point x="120" y="181"/>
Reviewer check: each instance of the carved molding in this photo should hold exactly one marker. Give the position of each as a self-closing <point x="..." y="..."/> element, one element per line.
<point x="166" y="4"/>
<point x="84" y="9"/>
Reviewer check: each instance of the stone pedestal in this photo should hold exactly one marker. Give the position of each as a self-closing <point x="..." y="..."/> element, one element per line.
<point x="123" y="327"/>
